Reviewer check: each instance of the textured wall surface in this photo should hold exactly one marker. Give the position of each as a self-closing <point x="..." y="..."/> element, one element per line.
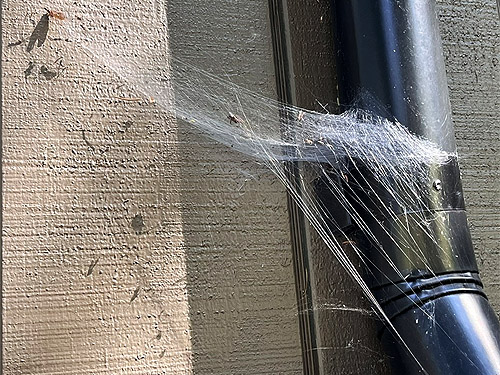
<point x="132" y="244"/>
<point x="94" y="272"/>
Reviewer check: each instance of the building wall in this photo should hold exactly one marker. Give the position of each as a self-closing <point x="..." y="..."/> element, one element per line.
<point x="133" y="244"/>
<point x="94" y="270"/>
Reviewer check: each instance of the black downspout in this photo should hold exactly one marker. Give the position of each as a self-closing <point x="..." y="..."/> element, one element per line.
<point x="392" y="50"/>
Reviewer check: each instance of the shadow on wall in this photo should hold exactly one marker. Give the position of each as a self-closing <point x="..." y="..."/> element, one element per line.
<point x="240" y="279"/>
<point x="239" y="276"/>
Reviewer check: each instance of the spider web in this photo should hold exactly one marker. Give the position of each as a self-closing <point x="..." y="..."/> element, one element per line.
<point x="361" y="159"/>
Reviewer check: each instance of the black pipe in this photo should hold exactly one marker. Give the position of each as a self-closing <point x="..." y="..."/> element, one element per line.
<point x="392" y="49"/>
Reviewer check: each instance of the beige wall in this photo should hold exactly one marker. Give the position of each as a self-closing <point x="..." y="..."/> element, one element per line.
<point x="189" y="240"/>
<point x="94" y="270"/>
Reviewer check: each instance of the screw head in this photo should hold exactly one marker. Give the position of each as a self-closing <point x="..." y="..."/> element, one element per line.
<point x="437" y="185"/>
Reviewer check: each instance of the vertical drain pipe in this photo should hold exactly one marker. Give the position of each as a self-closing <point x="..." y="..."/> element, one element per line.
<point x="392" y="49"/>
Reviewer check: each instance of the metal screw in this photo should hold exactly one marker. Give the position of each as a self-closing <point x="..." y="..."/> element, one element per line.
<point x="437" y="185"/>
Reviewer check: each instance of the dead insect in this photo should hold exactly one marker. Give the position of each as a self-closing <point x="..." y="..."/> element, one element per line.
<point x="300" y="115"/>
<point x="233" y="118"/>
<point x="56" y="15"/>
<point x="308" y="142"/>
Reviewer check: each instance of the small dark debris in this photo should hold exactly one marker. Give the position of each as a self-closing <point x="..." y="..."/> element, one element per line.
<point x="92" y="266"/>
<point x="138" y="223"/>
<point x="29" y="70"/>
<point x="136" y="294"/>
<point x="162" y="354"/>
<point x="48" y="74"/>
<point x="14" y="44"/>
<point x="158" y="336"/>
<point x="126" y="126"/>
<point x="60" y="39"/>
